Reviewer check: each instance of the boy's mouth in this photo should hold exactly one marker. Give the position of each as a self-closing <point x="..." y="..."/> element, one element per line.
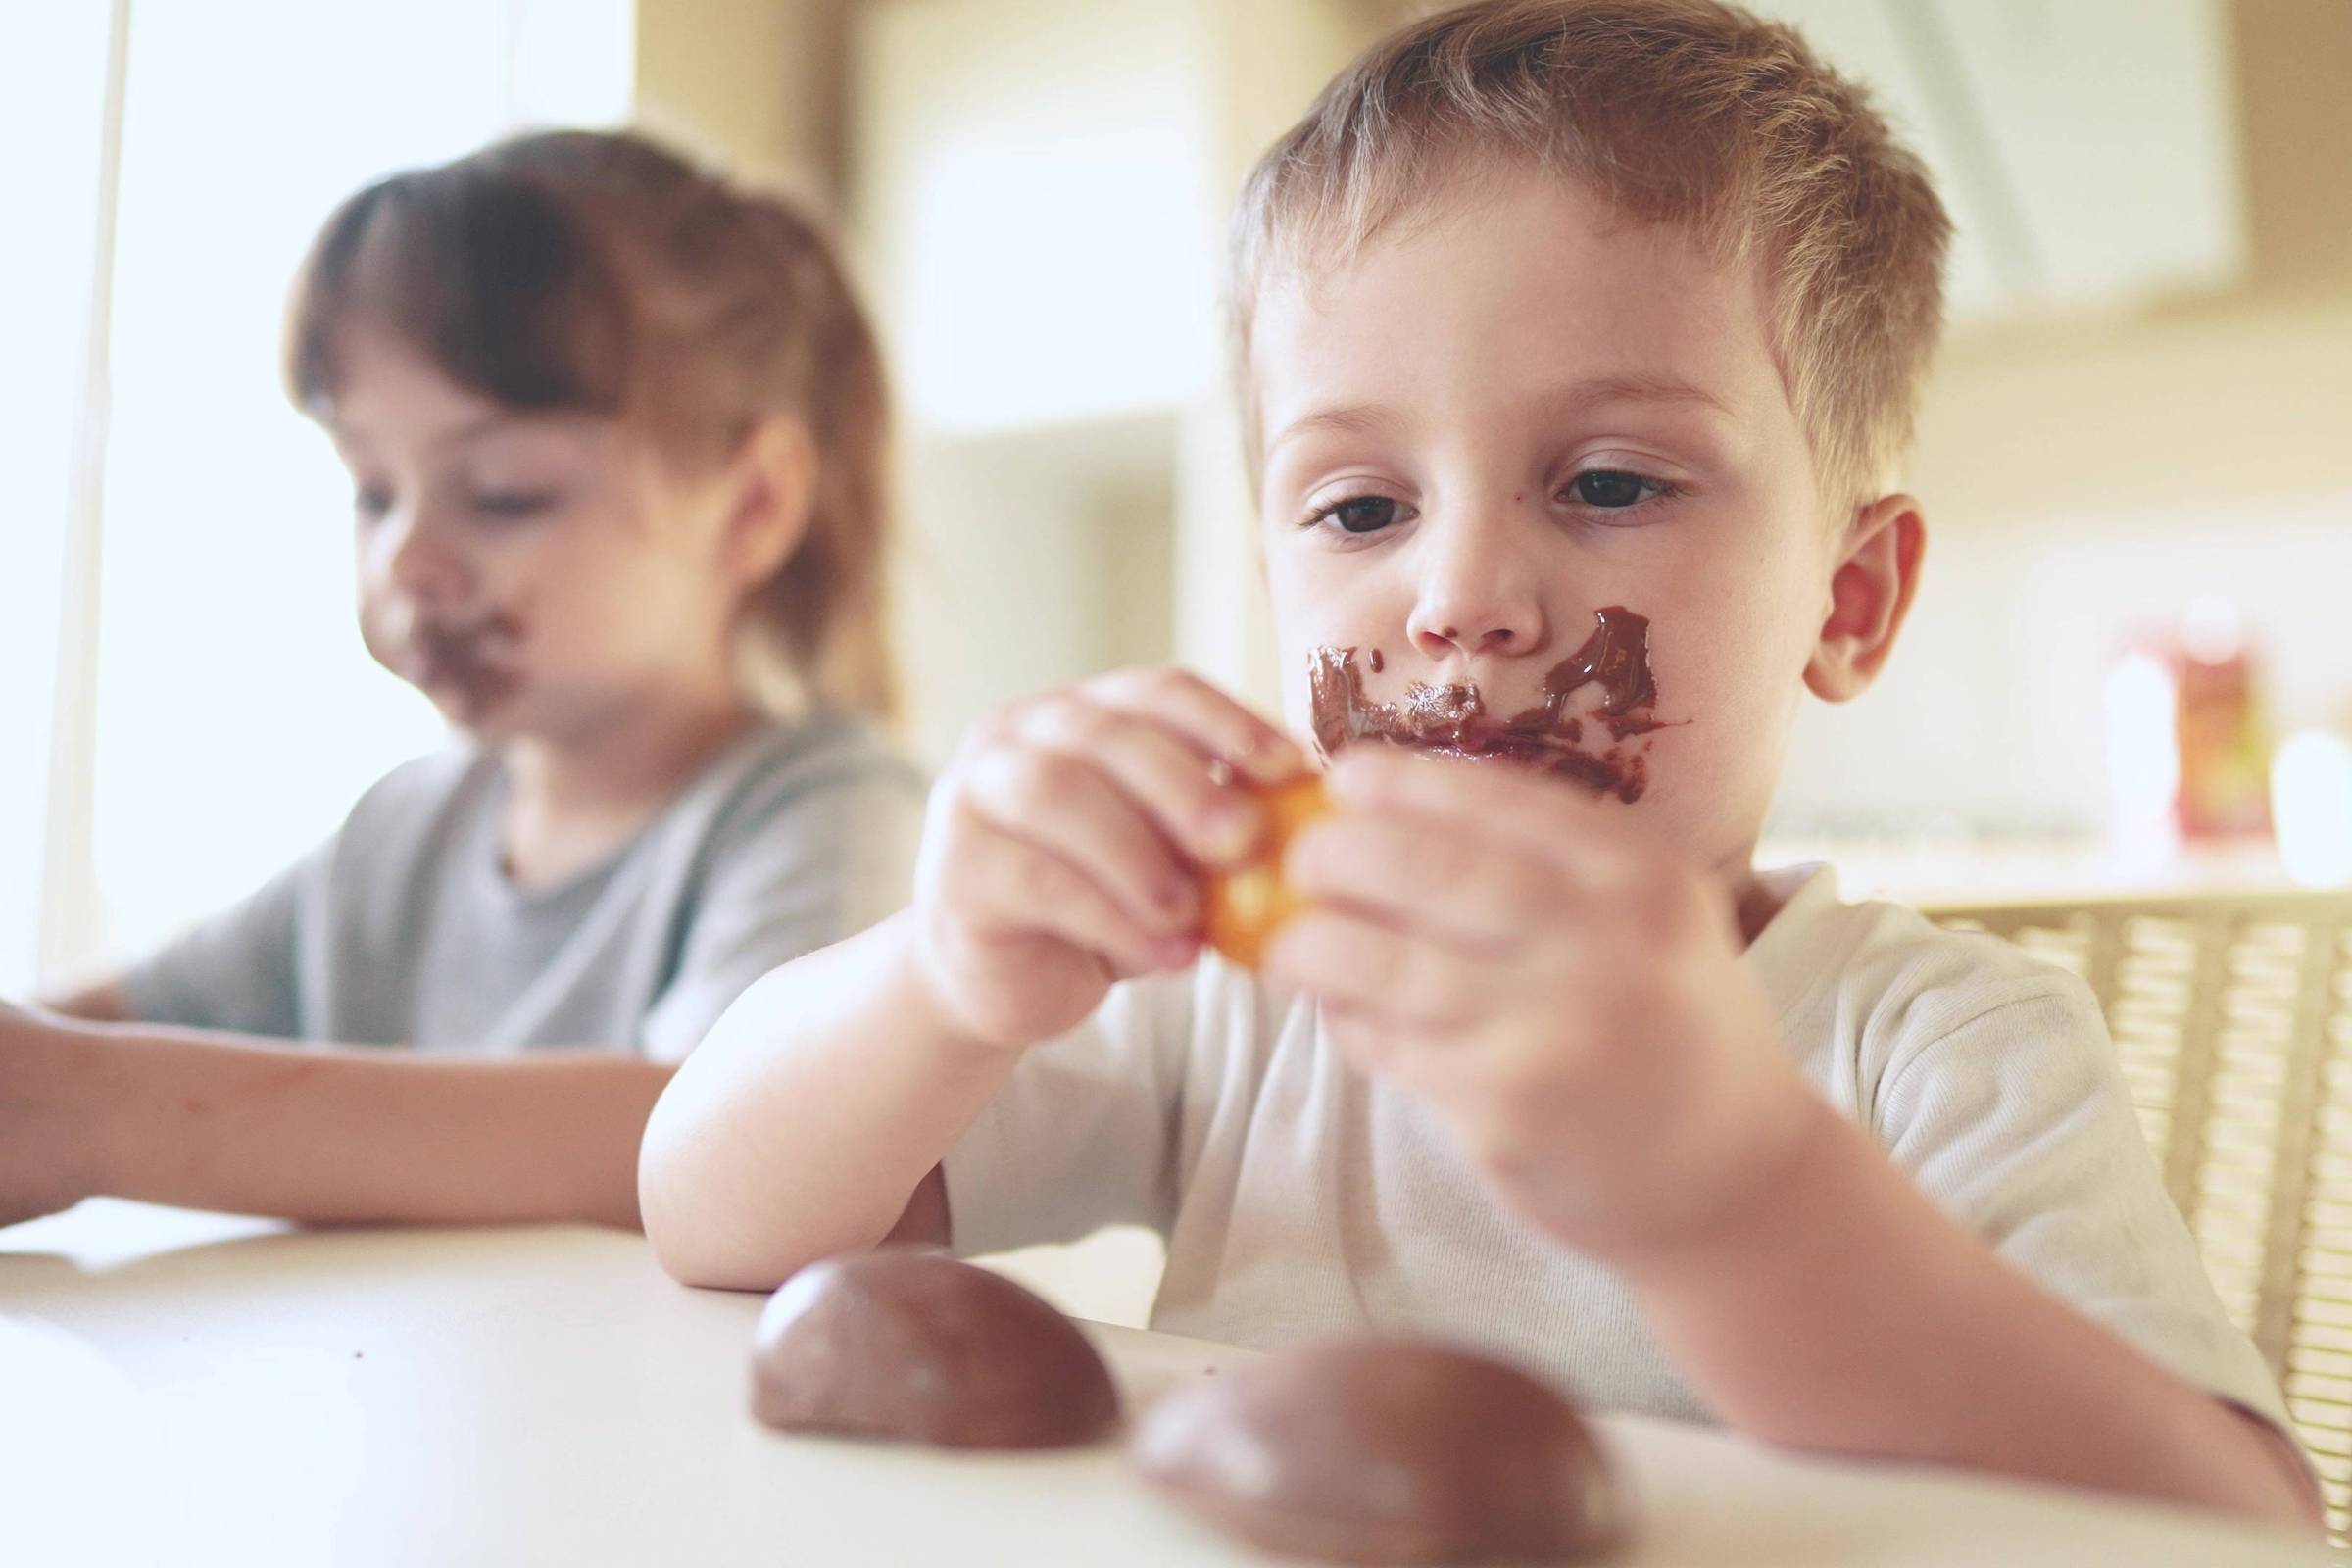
<point x="1453" y="721"/>
<point x="468" y="663"/>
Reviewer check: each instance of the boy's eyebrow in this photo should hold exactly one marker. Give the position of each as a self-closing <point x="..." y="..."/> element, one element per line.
<point x="1366" y="418"/>
<point x="1350" y="419"/>
<point x="1636" y="389"/>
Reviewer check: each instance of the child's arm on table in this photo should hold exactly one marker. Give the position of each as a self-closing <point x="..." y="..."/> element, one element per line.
<point x="1570" y="1001"/>
<point x="105" y="1002"/>
<point x="323" y="1135"/>
<point x="1060" y="854"/>
<point x="1841" y="1311"/>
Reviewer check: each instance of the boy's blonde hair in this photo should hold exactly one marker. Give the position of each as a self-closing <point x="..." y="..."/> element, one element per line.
<point x="1676" y="111"/>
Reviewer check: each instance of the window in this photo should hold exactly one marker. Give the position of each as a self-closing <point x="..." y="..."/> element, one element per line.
<point x="199" y="705"/>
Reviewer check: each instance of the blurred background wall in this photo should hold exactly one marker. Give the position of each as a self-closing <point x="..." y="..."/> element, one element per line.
<point x="2142" y="420"/>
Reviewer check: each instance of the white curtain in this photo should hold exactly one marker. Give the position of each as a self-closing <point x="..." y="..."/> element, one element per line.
<point x="186" y="701"/>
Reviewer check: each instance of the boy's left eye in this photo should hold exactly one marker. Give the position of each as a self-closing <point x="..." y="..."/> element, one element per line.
<point x="1614" y="489"/>
<point x="514" y="504"/>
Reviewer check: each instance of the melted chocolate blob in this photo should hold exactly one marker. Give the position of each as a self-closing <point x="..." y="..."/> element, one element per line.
<point x="1380" y="1450"/>
<point x="919" y="1348"/>
<point x="1451" y="720"/>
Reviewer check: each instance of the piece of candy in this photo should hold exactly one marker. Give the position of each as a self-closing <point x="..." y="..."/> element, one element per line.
<point x="1247" y="905"/>
<point x="916" y="1346"/>
<point x="1383" y="1449"/>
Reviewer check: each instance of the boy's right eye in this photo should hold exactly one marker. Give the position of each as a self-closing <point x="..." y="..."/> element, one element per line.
<point x="370" y="502"/>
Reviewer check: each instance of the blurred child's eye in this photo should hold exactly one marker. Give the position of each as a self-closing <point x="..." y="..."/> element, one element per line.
<point x="514" y="505"/>
<point x="370" y="502"/>
<point x="1358" y="515"/>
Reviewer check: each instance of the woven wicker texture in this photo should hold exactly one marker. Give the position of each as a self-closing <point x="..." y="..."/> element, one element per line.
<point x="2233" y="1016"/>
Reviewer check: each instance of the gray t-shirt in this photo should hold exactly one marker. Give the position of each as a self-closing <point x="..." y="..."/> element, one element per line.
<point x="403" y="929"/>
<point x="1300" y="1197"/>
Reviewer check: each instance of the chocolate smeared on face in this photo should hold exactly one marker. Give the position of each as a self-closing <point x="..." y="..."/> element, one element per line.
<point x="470" y="661"/>
<point x="1451" y="720"/>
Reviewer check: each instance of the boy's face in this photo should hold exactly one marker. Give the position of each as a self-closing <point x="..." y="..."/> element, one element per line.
<point x="532" y="573"/>
<point x="1514" y="412"/>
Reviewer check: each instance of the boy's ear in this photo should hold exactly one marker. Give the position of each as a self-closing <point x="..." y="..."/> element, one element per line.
<point x="774" y="478"/>
<point x="1870" y="593"/>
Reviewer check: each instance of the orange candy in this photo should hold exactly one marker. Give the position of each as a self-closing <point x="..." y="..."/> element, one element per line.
<point x="1245" y="906"/>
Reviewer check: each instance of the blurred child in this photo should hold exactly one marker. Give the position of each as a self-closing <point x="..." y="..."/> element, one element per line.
<point x="1580" y="341"/>
<point x="617" y="435"/>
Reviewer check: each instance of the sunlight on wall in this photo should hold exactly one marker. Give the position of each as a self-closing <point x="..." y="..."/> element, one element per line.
<point x="238" y="713"/>
<point x="52" y="90"/>
<point x="1042" y="209"/>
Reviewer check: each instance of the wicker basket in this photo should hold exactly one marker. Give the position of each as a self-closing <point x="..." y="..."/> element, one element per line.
<point x="2233" y="1016"/>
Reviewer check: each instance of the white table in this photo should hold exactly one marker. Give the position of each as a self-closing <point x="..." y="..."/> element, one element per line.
<point x="192" y="1389"/>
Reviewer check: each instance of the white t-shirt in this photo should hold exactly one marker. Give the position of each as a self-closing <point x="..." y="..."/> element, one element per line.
<point x="1300" y="1197"/>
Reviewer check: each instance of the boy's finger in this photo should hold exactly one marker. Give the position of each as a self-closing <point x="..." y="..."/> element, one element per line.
<point x="1077" y="811"/>
<point x="1204" y="715"/>
<point x="1396" y="979"/>
<point x="1497" y="802"/>
<point x="1162" y="772"/>
<point x="1370" y="1043"/>
<point x="1465" y="890"/>
<point x="1005" y="884"/>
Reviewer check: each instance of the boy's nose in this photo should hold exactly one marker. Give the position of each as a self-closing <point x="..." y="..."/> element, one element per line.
<point x="1478" y="596"/>
<point x="412" y="555"/>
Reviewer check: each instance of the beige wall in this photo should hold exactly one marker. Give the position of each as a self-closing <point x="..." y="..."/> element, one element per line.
<point x="757" y="83"/>
<point x="2219" y="399"/>
<point x="2083" y="475"/>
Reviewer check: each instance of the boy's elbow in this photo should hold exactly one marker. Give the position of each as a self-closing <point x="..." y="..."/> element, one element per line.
<point x="2284" y="1491"/>
<point x="680" y="1221"/>
<point x="694" y="1252"/>
<point x="2250" y="1470"/>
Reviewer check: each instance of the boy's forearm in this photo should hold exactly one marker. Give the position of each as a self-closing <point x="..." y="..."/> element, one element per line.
<point x="354" y="1134"/>
<point x="815" y="1109"/>
<point x="1844" y="1312"/>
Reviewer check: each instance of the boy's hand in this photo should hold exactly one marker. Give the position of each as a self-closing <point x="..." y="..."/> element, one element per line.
<point x="1063" y="847"/>
<point x="48" y="1103"/>
<point x="1567" y="995"/>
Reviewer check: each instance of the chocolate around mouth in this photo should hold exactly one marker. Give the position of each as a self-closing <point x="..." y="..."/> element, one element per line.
<point x="1452" y="720"/>
<point x="467" y="659"/>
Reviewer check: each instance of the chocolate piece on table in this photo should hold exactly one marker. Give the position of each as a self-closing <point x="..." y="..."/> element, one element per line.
<point x="916" y="1346"/>
<point x="1376" y="1449"/>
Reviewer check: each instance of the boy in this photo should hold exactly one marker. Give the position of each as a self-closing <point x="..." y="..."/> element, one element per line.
<point x="1580" y="341"/>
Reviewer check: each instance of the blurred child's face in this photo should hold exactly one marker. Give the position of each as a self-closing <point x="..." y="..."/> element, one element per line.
<point x="533" y="573"/>
<point x="1512" y="415"/>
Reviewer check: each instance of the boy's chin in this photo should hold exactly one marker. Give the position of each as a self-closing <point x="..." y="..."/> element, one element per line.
<point x="1617" y="773"/>
<point x="487" y="712"/>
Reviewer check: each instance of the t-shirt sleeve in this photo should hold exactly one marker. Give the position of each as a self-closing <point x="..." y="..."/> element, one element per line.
<point x="2017" y="1121"/>
<point x="802" y="863"/>
<point x="1081" y="1136"/>
<point x="239" y="969"/>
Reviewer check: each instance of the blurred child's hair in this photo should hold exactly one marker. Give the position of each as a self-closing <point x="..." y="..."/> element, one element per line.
<point x="1675" y="111"/>
<point x="600" y="272"/>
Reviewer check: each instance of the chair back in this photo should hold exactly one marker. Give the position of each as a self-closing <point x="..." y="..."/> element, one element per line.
<point x="2233" y="1016"/>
